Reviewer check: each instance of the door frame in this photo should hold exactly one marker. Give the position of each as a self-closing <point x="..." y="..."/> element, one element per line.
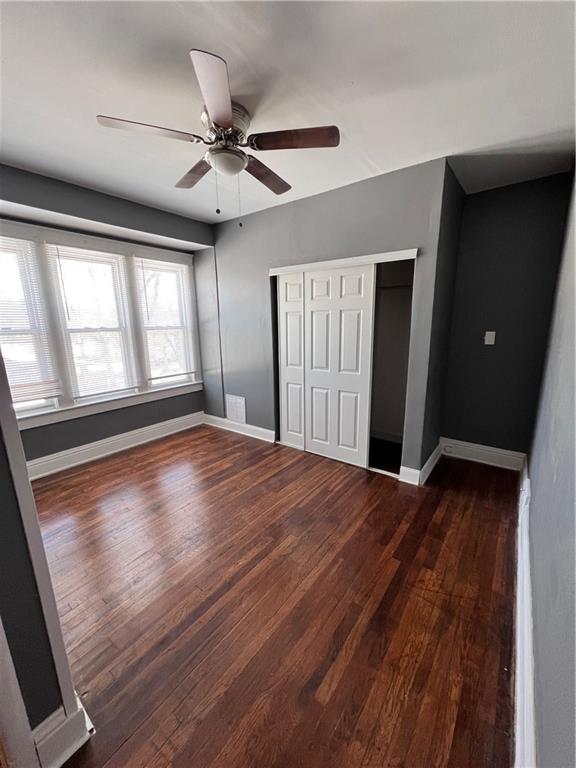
<point x="16" y="736"/>
<point x="406" y="474"/>
<point x="349" y="261"/>
<point x="68" y="727"/>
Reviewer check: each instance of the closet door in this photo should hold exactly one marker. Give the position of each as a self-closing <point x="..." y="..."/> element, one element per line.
<point x="339" y="308"/>
<point x="291" y="354"/>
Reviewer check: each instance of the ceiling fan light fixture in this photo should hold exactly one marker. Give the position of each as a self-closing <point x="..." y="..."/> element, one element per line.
<point x="227" y="160"/>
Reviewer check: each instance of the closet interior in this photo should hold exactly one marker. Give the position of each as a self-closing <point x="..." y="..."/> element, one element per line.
<point x="391" y="345"/>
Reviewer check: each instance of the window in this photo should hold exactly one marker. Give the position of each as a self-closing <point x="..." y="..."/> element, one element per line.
<point x="164" y="306"/>
<point x="24" y="336"/>
<point x="92" y="304"/>
<point x="79" y="325"/>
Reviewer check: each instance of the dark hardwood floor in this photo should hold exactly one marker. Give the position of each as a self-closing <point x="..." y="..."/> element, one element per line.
<point x="228" y="603"/>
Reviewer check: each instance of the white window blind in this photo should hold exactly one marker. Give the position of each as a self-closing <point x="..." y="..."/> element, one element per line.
<point x="80" y="324"/>
<point x="24" y="336"/>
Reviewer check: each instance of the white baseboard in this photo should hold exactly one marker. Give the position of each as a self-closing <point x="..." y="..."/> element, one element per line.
<point x="419" y="476"/>
<point x="59" y="736"/>
<point x="483" y="454"/>
<point x="409" y="475"/>
<point x="497" y="457"/>
<point x="82" y="454"/>
<point x="431" y="462"/>
<point x="244" y="429"/>
<point x="525" y="735"/>
<point x="56" y="462"/>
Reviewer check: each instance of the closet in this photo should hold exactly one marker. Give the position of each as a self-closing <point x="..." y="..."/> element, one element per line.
<point x="392" y="314"/>
<point x="331" y="322"/>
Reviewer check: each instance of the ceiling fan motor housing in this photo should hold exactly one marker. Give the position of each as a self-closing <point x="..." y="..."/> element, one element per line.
<point x="237" y="134"/>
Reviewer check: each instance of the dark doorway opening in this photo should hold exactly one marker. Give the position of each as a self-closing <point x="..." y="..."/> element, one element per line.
<point x="384" y="454"/>
<point x="392" y="315"/>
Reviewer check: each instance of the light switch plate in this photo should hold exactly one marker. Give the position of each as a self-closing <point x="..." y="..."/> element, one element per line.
<point x="489" y="337"/>
<point x="236" y="408"/>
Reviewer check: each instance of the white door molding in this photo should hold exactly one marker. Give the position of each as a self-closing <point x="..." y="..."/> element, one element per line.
<point x="15" y="733"/>
<point x="525" y="736"/>
<point x="59" y="736"/>
<point x="350" y="261"/>
<point x="31" y="525"/>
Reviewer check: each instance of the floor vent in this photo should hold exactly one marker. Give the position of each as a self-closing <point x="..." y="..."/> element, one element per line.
<point x="236" y="409"/>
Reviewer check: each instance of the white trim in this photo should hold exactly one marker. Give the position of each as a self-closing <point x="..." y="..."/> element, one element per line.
<point x="430" y="464"/>
<point x="409" y="475"/>
<point x="59" y="736"/>
<point x="31" y="525"/>
<point x="350" y="261"/>
<point x="42" y="234"/>
<point x="244" y="429"/>
<point x="73" y="457"/>
<point x="414" y="476"/>
<point x="82" y="454"/>
<point x="86" y="409"/>
<point x="525" y="735"/>
<point x="15" y="733"/>
<point x="483" y="454"/>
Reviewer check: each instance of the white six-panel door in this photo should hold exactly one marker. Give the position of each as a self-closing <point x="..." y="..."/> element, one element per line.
<point x="325" y="348"/>
<point x="291" y="362"/>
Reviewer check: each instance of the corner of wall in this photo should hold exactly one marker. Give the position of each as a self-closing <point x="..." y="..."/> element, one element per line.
<point x="209" y="332"/>
<point x="447" y="241"/>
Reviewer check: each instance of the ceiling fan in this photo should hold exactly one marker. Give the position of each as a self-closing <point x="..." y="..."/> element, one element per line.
<point x="226" y="124"/>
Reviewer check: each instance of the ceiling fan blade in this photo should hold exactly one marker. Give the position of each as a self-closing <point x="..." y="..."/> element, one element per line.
<point x="266" y="176"/>
<point x="299" y="138"/>
<point x="194" y="175"/>
<point x="130" y="125"/>
<point x="212" y="74"/>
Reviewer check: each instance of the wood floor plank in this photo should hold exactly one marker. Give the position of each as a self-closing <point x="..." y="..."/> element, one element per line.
<point x="230" y="603"/>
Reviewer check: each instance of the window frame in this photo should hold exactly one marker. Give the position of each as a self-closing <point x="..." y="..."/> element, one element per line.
<point x="131" y="327"/>
<point x="123" y="327"/>
<point x="186" y="302"/>
<point x="38" y="315"/>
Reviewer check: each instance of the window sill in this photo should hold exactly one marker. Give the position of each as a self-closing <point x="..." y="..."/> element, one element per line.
<point x="87" y="409"/>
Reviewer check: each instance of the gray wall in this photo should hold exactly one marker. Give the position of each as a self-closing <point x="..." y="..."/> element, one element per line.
<point x="510" y="245"/>
<point x="21" y="610"/>
<point x="63" y="435"/>
<point x="392" y="312"/>
<point x="390" y="212"/>
<point x="32" y="189"/>
<point x="209" y="330"/>
<point x="552" y="512"/>
<point x="450" y="218"/>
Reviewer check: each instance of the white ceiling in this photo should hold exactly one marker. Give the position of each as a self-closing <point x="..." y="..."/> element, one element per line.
<point x="406" y="82"/>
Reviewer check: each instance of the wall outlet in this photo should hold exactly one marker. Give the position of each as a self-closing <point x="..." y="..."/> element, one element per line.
<point x="236" y="408"/>
<point x="489" y="337"/>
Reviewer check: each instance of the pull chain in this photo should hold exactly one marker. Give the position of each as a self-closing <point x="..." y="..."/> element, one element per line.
<point x="239" y="204"/>
<point x="217" y="195"/>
